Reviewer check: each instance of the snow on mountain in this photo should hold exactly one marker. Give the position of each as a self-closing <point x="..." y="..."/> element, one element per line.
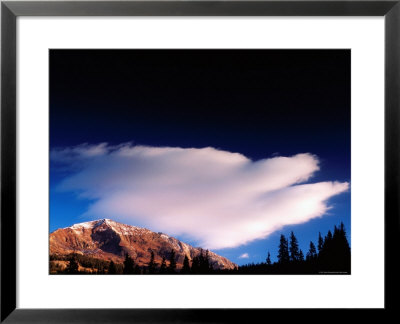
<point x="110" y="240"/>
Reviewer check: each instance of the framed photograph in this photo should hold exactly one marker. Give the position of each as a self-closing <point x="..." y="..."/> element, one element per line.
<point x="243" y="155"/>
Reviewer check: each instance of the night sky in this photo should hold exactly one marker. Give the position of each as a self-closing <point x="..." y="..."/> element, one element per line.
<point x="260" y="103"/>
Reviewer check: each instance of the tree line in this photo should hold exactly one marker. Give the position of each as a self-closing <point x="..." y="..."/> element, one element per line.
<point x="330" y="255"/>
<point x="82" y="264"/>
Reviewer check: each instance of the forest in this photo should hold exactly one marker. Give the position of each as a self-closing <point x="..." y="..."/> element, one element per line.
<point x="330" y="255"/>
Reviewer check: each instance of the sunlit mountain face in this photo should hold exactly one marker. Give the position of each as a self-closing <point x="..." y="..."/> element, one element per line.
<point x="108" y="240"/>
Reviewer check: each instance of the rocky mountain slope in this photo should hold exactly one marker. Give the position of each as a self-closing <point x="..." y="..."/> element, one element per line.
<point x="109" y="240"/>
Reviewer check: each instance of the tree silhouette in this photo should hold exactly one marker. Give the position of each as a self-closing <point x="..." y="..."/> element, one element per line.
<point x="345" y="247"/>
<point x="283" y="253"/>
<point x="163" y="268"/>
<point x="335" y="253"/>
<point x="301" y="256"/>
<point x="320" y="242"/>
<point x="294" y="248"/>
<point x="137" y="269"/>
<point x="312" y="252"/>
<point x="334" y="256"/>
<point x="151" y="263"/>
<point x="328" y="237"/>
<point x="340" y="249"/>
<point x="186" y="266"/>
<point x="111" y="268"/>
<point x="195" y="265"/>
<point x="268" y="260"/>
<point x="205" y="264"/>
<point x="73" y="266"/>
<point x="129" y="266"/>
<point x="201" y="263"/>
<point x="172" y="262"/>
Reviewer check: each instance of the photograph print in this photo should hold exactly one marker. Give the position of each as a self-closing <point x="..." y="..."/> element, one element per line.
<point x="201" y="161"/>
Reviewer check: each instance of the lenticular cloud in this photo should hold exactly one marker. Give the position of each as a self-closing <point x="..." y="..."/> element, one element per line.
<point x="217" y="198"/>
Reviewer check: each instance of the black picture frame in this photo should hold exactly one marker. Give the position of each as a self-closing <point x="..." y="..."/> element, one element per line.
<point x="10" y="10"/>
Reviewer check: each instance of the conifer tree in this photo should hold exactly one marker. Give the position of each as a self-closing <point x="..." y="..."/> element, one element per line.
<point x="151" y="263"/>
<point x="327" y="242"/>
<point x="137" y="269"/>
<point x="195" y="265"/>
<point x="343" y="236"/>
<point x="163" y="268"/>
<point x="339" y="251"/>
<point x="269" y="258"/>
<point x="329" y="236"/>
<point x="73" y="266"/>
<point x="204" y="262"/>
<point x="283" y="253"/>
<point x="172" y="262"/>
<point x="335" y="253"/>
<point x="342" y="230"/>
<point x="320" y="242"/>
<point x="294" y="248"/>
<point x="301" y="256"/>
<point x="111" y="268"/>
<point x="129" y="266"/>
<point x="186" y="266"/>
<point x="207" y="265"/>
<point x="312" y="252"/>
<point x="346" y="249"/>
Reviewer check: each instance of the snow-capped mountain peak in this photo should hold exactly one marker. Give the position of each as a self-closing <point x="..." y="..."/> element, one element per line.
<point x="110" y="240"/>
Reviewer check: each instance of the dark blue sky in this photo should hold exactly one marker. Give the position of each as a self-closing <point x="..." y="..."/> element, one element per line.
<point x="259" y="103"/>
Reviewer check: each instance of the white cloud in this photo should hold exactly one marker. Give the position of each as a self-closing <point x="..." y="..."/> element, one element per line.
<point x="244" y="256"/>
<point x="217" y="198"/>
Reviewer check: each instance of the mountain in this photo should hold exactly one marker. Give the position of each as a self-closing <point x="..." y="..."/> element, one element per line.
<point x="109" y="240"/>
